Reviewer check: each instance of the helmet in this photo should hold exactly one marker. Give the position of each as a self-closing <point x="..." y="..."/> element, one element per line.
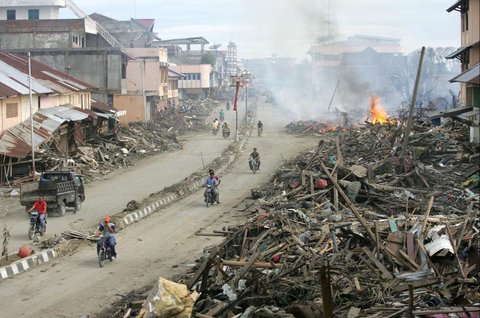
<point x="254" y="149"/>
<point x="211" y="171"/>
<point x="107" y="219"/>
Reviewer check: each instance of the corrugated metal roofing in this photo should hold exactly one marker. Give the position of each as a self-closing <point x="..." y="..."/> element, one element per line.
<point x="17" y="141"/>
<point x="45" y="80"/>
<point x="471" y="76"/>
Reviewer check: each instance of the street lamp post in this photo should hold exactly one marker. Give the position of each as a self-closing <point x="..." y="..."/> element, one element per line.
<point x="237" y="81"/>
<point x="245" y="80"/>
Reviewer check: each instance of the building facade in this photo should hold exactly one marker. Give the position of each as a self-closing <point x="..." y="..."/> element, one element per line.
<point x="50" y="88"/>
<point x="196" y="83"/>
<point x="469" y="52"/>
<point x="469" y="55"/>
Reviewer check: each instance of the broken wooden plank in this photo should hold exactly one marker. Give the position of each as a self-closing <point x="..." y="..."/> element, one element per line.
<point x="255" y="264"/>
<point x="213" y="253"/>
<point x="383" y="269"/>
<point x="417" y="284"/>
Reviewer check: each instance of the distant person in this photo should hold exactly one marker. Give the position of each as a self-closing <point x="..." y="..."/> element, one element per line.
<point x="254" y="155"/>
<point x="259" y="128"/>
<point x="228" y="105"/>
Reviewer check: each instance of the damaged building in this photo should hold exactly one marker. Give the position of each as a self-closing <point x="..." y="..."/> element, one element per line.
<point x="61" y="105"/>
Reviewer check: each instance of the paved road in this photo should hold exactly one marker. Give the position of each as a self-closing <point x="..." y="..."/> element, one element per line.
<point x="134" y="183"/>
<point x="75" y="286"/>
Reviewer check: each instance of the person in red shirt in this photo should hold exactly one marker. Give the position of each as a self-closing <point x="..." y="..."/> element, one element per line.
<point x="41" y="207"/>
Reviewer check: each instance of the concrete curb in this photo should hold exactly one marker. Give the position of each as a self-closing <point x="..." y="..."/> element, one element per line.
<point x="27" y="263"/>
<point x="136" y="216"/>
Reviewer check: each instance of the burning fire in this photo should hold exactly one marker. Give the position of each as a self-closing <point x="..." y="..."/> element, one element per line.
<point x="378" y="114"/>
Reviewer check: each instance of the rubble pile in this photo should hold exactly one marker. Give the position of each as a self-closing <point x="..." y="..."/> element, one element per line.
<point x="110" y="150"/>
<point x="350" y="230"/>
<point x="311" y="127"/>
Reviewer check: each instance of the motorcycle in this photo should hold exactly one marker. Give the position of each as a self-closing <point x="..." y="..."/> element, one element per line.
<point x="215" y="131"/>
<point x="226" y="133"/>
<point x="209" y="195"/>
<point x="254" y="165"/>
<point x="35" y="226"/>
<point x="260" y="132"/>
<point x="222" y="117"/>
<point x="105" y="252"/>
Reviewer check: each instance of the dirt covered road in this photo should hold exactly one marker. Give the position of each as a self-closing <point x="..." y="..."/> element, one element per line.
<point x="134" y="183"/>
<point x="160" y="245"/>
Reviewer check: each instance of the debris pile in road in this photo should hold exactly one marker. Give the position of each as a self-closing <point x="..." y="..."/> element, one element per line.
<point x="311" y="127"/>
<point x="350" y="230"/>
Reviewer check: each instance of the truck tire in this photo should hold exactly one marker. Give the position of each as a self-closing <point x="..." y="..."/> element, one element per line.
<point x="78" y="205"/>
<point x="61" y="209"/>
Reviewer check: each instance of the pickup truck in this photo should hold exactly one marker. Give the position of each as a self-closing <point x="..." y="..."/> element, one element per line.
<point x="59" y="189"/>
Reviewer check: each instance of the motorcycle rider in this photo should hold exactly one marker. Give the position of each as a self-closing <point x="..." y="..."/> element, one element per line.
<point x="41" y="206"/>
<point x="215" y="125"/>
<point x="221" y="115"/>
<point x="254" y="155"/>
<point x="225" y="129"/>
<point x="260" y="127"/>
<point x="214" y="182"/>
<point x="107" y="228"/>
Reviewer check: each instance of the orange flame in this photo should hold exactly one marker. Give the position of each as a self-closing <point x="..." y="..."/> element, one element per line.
<point x="379" y="116"/>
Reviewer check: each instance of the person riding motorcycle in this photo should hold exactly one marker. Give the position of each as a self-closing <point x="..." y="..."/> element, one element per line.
<point x="215" y="125"/>
<point x="260" y="127"/>
<point x="213" y="181"/>
<point x="221" y="115"/>
<point x="41" y="206"/>
<point x="107" y="228"/>
<point x="225" y="130"/>
<point x="254" y="155"/>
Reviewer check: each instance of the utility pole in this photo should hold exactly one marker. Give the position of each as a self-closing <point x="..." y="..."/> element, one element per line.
<point x="406" y="133"/>
<point x="31" y="112"/>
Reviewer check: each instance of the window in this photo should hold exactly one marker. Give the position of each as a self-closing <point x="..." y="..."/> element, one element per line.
<point x="33" y="14"/>
<point x="11" y="15"/>
<point x="12" y="110"/>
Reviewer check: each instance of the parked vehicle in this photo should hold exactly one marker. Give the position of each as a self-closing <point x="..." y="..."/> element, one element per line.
<point x="209" y="195"/>
<point x="35" y="226"/>
<point x="59" y="189"/>
<point x="105" y="252"/>
<point x="254" y="163"/>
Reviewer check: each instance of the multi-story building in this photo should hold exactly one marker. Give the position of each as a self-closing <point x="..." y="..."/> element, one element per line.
<point x="353" y="68"/>
<point x="203" y="69"/>
<point x="469" y="55"/>
<point x="196" y="81"/>
<point x="145" y="90"/>
<point x="80" y="47"/>
<point x="469" y="52"/>
<point x="231" y="60"/>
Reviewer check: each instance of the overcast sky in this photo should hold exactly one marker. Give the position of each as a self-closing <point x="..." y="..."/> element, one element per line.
<point x="262" y="28"/>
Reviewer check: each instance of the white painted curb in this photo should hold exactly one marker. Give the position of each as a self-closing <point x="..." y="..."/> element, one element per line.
<point x="27" y="263"/>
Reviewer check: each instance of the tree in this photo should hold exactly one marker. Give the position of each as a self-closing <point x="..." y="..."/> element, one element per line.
<point x="434" y="78"/>
<point x="208" y="58"/>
